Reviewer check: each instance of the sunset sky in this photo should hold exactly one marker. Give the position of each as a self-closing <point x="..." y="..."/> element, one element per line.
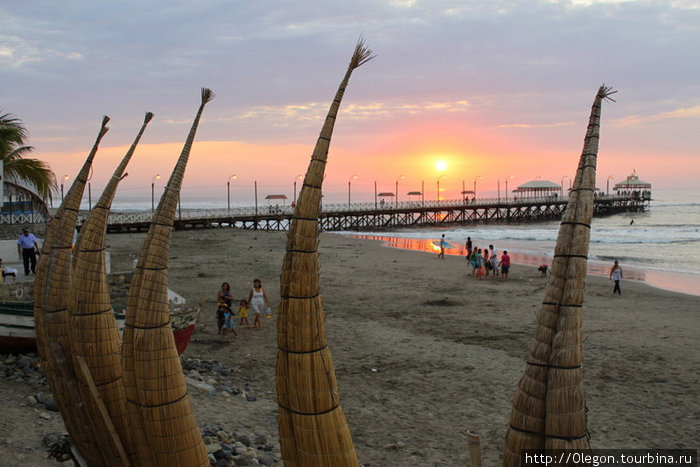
<point x="494" y="89"/>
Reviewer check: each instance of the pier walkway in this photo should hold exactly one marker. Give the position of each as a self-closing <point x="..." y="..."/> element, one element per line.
<point x="378" y="216"/>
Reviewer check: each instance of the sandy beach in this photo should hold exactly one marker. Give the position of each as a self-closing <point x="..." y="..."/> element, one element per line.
<point x="422" y="351"/>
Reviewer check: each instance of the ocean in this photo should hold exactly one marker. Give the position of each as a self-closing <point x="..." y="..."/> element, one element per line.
<point x="661" y="247"/>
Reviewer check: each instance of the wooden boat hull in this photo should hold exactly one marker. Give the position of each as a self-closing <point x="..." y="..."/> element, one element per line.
<point x="18" y="335"/>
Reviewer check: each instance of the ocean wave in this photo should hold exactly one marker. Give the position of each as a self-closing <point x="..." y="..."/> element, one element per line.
<point x="665" y="236"/>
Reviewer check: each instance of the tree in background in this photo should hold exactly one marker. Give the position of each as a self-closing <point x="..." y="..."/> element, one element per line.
<point x="23" y="175"/>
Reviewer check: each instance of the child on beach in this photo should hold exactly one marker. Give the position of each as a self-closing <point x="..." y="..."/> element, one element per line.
<point x="229" y="322"/>
<point x="494" y="262"/>
<point x="243" y="313"/>
<point x="221" y="311"/>
<point x="480" y="269"/>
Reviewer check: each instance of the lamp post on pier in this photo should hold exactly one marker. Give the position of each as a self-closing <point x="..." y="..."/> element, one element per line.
<point x="607" y="190"/>
<point x="477" y="178"/>
<point x="65" y="178"/>
<point x="562" y="185"/>
<point x="396" y="198"/>
<point x="354" y="177"/>
<point x="228" y="191"/>
<point x="438" y="188"/>
<point x="298" y="177"/>
<point x="509" y="178"/>
<point x="153" y="192"/>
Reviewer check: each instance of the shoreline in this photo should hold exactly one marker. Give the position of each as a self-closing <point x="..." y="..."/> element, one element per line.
<point x="678" y="282"/>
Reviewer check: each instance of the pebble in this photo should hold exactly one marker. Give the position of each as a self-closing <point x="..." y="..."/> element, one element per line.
<point x="225" y="448"/>
<point x="212" y="448"/>
<point x="23" y="368"/>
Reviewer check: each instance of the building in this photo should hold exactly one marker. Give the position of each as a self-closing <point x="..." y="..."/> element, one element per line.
<point x="538" y="189"/>
<point x="634" y="187"/>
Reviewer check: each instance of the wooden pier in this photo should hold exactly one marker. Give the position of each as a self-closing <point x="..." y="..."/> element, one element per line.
<point x="388" y="216"/>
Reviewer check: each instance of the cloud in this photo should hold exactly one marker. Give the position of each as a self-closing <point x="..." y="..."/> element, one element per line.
<point x="316" y="111"/>
<point x="535" y="125"/>
<point x="682" y="113"/>
<point x="16" y="51"/>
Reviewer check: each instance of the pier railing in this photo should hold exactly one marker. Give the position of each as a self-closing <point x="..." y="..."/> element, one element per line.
<point x="377" y="216"/>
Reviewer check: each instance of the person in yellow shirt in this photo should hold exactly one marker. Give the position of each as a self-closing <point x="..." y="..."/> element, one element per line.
<point x="243" y="312"/>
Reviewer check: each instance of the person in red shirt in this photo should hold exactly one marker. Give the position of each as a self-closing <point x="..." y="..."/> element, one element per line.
<point x="505" y="265"/>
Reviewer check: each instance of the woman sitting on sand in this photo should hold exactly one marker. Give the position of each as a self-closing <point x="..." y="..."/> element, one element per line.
<point x="257" y="299"/>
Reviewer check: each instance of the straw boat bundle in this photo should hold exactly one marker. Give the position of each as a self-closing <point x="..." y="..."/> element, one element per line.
<point x="156" y="392"/>
<point x="549" y="407"/>
<point x="51" y="288"/>
<point x="94" y="334"/>
<point x="312" y="425"/>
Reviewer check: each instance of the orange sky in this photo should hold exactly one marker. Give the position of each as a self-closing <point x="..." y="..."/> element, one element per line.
<point x="411" y="152"/>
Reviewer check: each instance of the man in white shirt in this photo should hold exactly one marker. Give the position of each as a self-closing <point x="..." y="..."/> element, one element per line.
<point x="28" y="246"/>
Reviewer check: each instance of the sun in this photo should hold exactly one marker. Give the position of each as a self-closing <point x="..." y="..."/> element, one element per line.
<point x="441" y="165"/>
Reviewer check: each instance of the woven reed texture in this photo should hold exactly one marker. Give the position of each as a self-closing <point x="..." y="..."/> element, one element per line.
<point x="93" y="331"/>
<point x="313" y="428"/>
<point x="157" y="403"/>
<point x="51" y="287"/>
<point x="549" y="406"/>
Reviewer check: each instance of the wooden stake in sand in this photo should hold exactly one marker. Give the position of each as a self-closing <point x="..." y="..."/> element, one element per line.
<point x="51" y="296"/>
<point x="549" y="407"/>
<point x="474" y="442"/>
<point x="313" y="429"/>
<point x="94" y="334"/>
<point x="157" y="402"/>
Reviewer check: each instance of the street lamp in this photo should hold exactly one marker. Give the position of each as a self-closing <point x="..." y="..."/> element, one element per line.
<point x="298" y="177"/>
<point x="65" y="178"/>
<point x="509" y="178"/>
<point x="153" y="192"/>
<point x="396" y="198"/>
<point x="607" y="191"/>
<point x="477" y="178"/>
<point x="562" y="184"/>
<point x="438" y="188"/>
<point x="354" y="177"/>
<point x="228" y="190"/>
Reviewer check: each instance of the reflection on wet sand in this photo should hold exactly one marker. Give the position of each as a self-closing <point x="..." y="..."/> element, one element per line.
<point x="418" y="244"/>
<point x="685" y="283"/>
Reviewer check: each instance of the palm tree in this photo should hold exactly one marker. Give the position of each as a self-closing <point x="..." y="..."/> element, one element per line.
<point x="26" y="176"/>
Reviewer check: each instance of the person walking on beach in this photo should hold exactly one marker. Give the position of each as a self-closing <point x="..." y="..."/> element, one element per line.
<point x="468" y="246"/>
<point x="616" y="275"/>
<point x="493" y="258"/>
<point x="243" y="312"/>
<point x="442" y="247"/>
<point x="257" y="300"/>
<point x="28" y="247"/>
<point x="225" y="295"/>
<point x="487" y="262"/>
<point x="480" y="269"/>
<point x="473" y="261"/>
<point x="505" y="265"/>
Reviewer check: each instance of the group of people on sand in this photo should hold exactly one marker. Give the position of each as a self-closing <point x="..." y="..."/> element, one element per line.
<point x="257" y="302"/>
<point x="486" y="261"/>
